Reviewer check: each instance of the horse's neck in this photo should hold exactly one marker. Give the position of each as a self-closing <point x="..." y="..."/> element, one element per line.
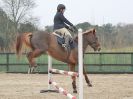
<point x="85" y="44"/>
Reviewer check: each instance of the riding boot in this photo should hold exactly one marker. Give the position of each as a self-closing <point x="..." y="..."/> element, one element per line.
<point x="67" y="45"/>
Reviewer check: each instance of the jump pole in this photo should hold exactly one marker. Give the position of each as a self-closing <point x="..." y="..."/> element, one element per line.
<point x="49" y="77"/>
<point x="49" y="74"/>
<point x="68" y="73"/>
<point x="61" y="90"/>
<point x="80" y="62"/>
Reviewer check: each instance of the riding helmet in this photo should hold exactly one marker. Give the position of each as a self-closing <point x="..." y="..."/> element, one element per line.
<point x="60" y="6"/>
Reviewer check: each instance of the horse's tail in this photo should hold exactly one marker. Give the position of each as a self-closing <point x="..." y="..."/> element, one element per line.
<point x="22" y="39"/>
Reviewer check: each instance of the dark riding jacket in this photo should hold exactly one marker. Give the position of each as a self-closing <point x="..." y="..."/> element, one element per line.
<point x="60" y="21"/>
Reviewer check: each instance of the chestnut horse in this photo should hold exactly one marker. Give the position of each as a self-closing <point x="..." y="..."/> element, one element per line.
<point x="43" y="42"/>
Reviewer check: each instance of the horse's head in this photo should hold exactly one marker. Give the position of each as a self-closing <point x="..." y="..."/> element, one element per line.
<point x="91" y="39"/>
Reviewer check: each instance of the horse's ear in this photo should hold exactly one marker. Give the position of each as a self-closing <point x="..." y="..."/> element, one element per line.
<point x="94" y="31"/>
<point x="76" y="39"/>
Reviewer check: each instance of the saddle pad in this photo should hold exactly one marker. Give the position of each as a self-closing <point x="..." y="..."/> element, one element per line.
<point x="61" y="40"/>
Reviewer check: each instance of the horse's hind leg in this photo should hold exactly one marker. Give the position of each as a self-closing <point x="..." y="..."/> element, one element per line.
<point x="72" y="68"/>
<point x="31" y="58"/>
<point x="30" y="61"/>
<point x="86" y="78"/>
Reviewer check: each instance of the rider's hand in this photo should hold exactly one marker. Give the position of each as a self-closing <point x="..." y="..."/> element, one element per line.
<point x="67" y="27"/>
<point x="75" y="29"/>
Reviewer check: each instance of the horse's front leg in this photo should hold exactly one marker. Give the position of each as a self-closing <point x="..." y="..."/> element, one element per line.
<point x="72" y="68"/>
<point x="86" y="78"/>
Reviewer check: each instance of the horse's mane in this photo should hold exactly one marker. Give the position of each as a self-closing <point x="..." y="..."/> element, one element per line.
<point x="75" y="38"/>
<point x="90" y="31"/>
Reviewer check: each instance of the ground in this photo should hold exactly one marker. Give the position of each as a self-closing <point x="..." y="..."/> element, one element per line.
<point x="28" y="86"/>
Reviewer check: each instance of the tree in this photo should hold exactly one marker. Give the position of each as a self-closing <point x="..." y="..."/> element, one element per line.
<point x="27" y="27"/>
<point x="108" y="27"/>
<point x="18" y="10"/>
<point x="84" y="25"/>
<point x="49" y="28"/>
<point x="5" y="30"/>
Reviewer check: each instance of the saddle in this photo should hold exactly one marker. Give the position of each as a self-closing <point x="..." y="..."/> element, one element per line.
<point x="61" y="40"/>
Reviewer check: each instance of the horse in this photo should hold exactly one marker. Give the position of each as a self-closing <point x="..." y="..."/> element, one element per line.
<point x="42" y="42"/>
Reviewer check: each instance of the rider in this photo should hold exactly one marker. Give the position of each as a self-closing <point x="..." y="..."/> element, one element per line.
<point x="61" y="24"/>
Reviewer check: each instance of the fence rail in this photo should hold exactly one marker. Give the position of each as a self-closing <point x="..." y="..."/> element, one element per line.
<point x="99" y="62"/>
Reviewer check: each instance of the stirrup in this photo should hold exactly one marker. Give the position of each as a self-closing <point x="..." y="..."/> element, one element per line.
<point x="64" y="45"/>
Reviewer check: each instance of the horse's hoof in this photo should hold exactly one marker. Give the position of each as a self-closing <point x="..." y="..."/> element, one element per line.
<point x="75" y="91"/>
<point x="90" y="85"/>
